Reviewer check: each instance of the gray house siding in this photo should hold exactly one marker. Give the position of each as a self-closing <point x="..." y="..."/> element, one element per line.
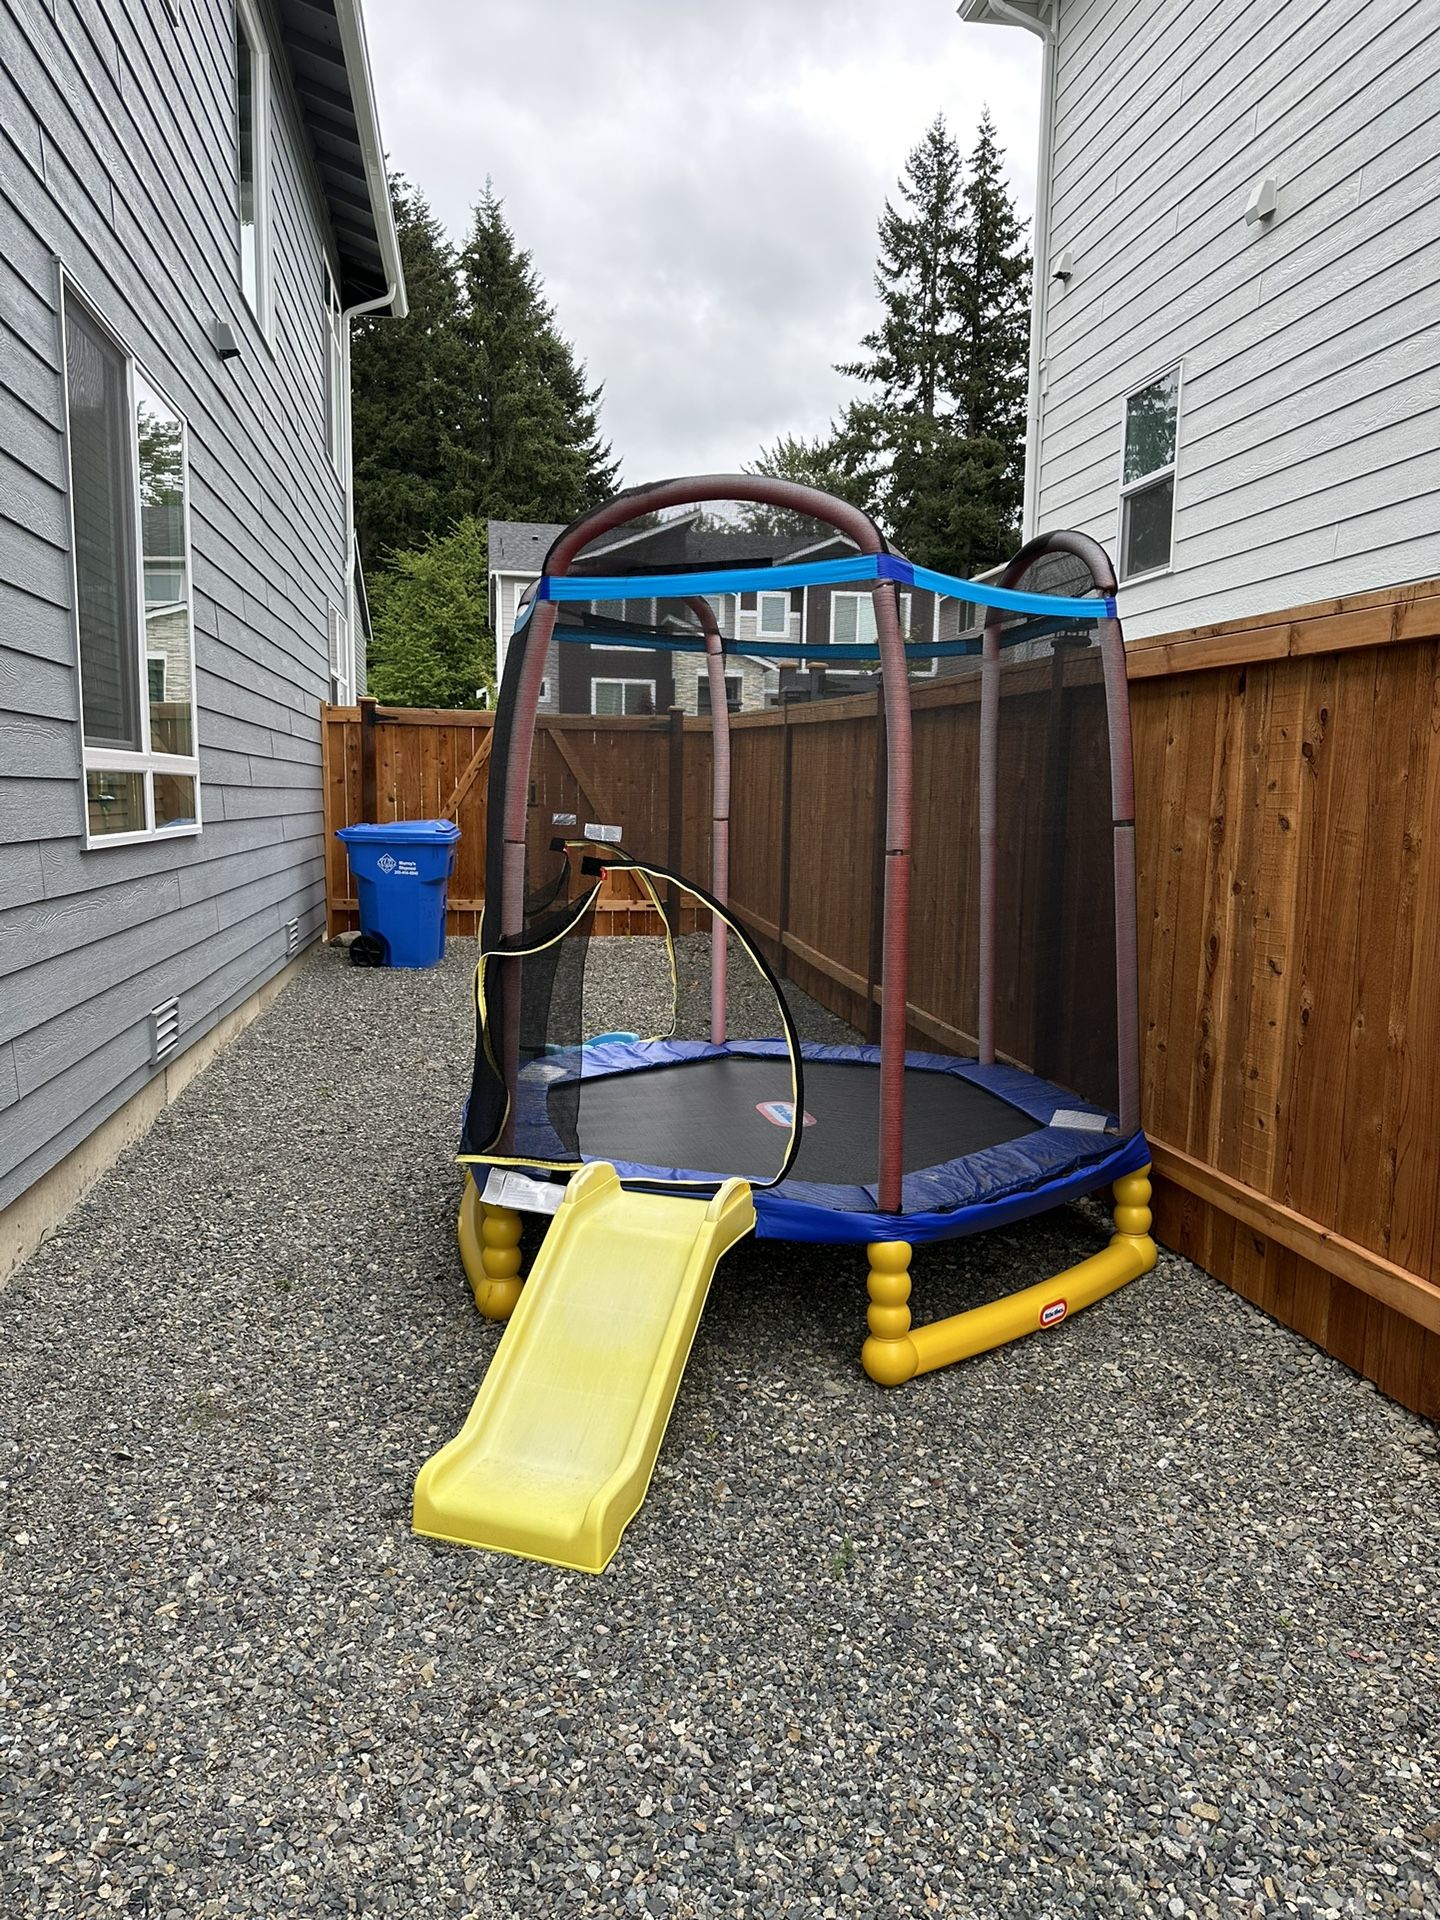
<point x="117" y="159"/>
<point x="1310" y="407"/>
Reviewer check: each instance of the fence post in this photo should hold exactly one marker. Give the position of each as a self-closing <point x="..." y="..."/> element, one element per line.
<point x="782" y="911"/>
<point x="875" y="964"/>
<point x="369" y="771"/>
<point x="675" y="810"/>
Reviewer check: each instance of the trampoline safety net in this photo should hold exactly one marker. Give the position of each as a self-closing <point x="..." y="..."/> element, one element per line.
<point x="1013" y="865"/>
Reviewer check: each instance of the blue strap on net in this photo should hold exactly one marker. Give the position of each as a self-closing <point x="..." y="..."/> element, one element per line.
<point x="816" y="573"/>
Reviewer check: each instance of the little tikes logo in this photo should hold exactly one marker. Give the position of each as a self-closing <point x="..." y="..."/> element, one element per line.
<point x="386" y="863"/>
<point x="781" y="1113"/>
<point x="1053" y="1312"/>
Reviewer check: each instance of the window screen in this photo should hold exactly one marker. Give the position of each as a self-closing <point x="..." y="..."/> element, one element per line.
<point x="774" y="615"/>
<point x="104" y="540"/>
<point x="618" y="698"/>
<point x="1147" y="495"/>
<point x="160" y="439"/>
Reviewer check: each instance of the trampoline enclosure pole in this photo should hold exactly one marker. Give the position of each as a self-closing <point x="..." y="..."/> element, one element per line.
<point x="1122" y="814"/>
<point x="719" y="815"/>
<point x="988" y="809"/>
<point x="894" y="982"/>
<point x="517" y="786"/>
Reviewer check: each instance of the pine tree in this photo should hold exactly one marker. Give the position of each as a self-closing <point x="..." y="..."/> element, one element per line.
<point x="535" y="450"/>
<point x="936" y="452"/>
<point x="911" y="353"/>
<point x="410" y="397"/>
<point x="814" y="463"/>
<point x="990" y="297"/>
<point x="474" y="403"/>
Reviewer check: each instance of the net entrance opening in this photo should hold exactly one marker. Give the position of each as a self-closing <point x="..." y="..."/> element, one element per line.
<point x="651" y="1014"/>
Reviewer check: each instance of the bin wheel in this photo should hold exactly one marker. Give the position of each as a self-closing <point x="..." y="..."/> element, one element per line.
<point x="367" y="951"/>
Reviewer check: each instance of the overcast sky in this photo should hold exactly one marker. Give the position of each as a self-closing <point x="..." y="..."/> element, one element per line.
<point x="698" y="181"/>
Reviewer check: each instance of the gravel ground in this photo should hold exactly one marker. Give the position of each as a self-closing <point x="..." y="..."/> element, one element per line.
<point x="1137" y="1619"/>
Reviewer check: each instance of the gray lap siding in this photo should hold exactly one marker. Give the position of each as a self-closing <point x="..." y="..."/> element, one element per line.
<point x="117" y="160"/>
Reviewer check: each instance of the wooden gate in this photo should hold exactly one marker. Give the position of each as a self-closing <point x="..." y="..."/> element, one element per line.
<point x="418" y="763"/>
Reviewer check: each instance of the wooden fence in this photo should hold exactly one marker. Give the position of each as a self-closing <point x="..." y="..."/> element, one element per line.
<point x="1288" y="853"/>
<point x="416" y="763"/>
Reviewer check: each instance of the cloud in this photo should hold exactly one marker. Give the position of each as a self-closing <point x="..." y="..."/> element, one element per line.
<point x="699" y="184"/>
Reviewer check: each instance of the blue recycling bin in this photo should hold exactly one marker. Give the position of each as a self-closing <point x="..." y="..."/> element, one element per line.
<point x="401" y="873"/>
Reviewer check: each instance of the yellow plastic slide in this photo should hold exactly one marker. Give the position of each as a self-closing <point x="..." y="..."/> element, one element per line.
<point x="559" y="1446"/>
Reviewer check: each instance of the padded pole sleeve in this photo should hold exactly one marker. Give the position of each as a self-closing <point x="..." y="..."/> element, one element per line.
<point x="895" y="965"/>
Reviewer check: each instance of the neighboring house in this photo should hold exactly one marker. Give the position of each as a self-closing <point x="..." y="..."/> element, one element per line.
<point x="1237" y="270"/>
<point x="192" y="204"/>
<point x="582" y="678"/>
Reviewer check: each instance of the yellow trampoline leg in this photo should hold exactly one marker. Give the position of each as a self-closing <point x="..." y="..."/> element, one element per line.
<point x="490" y="1247"/>
<point x="889" y="1354"/>
<point x="896" y="1351"/>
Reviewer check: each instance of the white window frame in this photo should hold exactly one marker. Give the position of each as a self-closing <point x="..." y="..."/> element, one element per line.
<point x="931" y="672"/>
<point x="247" y="22"/>
<point x="608" y="680"/>
<point x="772" y="633"/>
<point x="703" y="680"/>
<point x="337" y="387"/>
<point x="818" y="659"/>
<point x="127" y="759"/>
<point x="340" y="644"/>
<point x="1170" y="471"/>
<point x="722" y="603"/>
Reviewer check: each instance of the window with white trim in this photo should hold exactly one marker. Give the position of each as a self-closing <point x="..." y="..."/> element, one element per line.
<point x="252" y="146"/>
<point x="617" y="699"/>
<point x="852" y="619"/>
<point x="335" y="395"/>
<point x="1147" y="480"/>
<point x="722" y="605"/>
<point x="130" y="544"/>
<point x="772" y="615"/>
<point x="342" y="656"/>
<point x="734" y="683"/>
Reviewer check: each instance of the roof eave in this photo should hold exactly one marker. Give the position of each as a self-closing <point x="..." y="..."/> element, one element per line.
<point x="1034" y="16"/>
<point x="351" y="25"/>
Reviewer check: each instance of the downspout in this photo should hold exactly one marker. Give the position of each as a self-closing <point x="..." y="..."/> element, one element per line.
<point x="356" y="57"/>
<point x="381" y="302"/>
<point x="1004" y="14"/>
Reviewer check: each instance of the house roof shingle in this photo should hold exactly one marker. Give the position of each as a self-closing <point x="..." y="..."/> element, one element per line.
<point x="519" y="546"/>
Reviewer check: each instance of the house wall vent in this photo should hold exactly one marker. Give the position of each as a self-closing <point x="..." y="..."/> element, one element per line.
<point x="292" y="938"/>
<point x="164" y="1030"/>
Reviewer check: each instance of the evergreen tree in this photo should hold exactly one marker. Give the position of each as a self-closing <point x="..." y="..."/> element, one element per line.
<point x="990" y="295"/>
<point x="911" y="353"/>
<point x="431" y="644"/>
<point x="474" y="403"/>
<point x="814" y="463"/>
<point x="409" y="397"/>
<point x="937" y="453"/>
<point x="535" y="451"/>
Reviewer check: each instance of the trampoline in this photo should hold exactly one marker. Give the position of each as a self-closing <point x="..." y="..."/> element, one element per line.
<point x="983" y="1145"/>
<point x="989" y="1070"/>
